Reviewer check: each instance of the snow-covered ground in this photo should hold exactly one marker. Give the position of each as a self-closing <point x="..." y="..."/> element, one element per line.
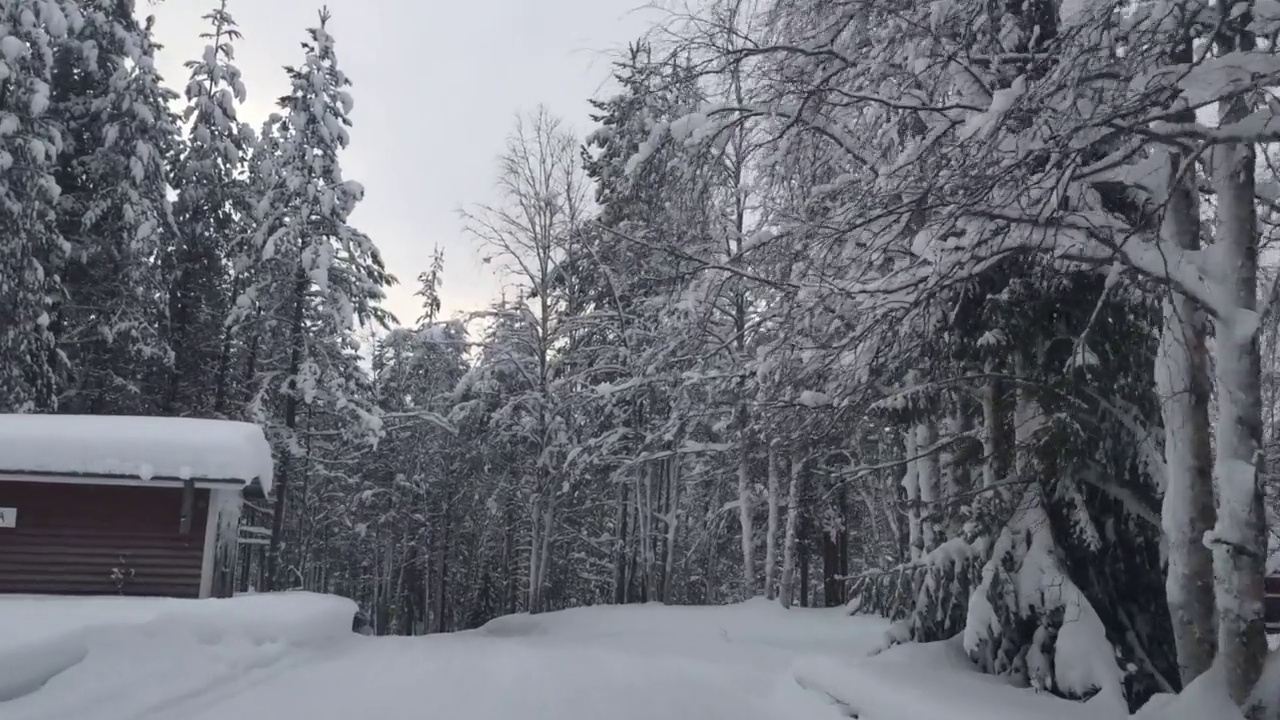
<point x="292" y="656"/>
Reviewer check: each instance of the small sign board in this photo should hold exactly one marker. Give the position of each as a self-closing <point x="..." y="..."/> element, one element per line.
<point x="8" y="517"/>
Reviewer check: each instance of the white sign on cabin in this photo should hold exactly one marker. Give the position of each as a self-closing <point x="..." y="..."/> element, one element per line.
<point x="8" y="517"/>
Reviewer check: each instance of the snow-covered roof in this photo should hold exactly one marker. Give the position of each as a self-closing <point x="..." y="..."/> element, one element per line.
<point x="141" y="447"/>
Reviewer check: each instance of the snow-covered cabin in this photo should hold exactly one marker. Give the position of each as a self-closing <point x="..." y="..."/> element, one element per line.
<point x="97" y="504"/>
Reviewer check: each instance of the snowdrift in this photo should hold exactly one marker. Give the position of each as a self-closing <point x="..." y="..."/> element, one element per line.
<point x="82" y="651"/>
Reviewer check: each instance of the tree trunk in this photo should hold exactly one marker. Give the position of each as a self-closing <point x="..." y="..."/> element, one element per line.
<point x="620" y="547"/>
<point x="535" y="521"/>
<point x="928" y="481"/>
<point x="804" y="569"/>
<point x="786" y="591"/>
<point x="830" y="568"/>
<point x="744" y="511"/>
<point x="281" y="485"/>
<point x="646" y="528"/>
<point x="992" y="434"/>
<point x="548" y="531"/>
<point x="673" y="524"/>
<point x="1182" y="377"/>
<point x="509" y="590"/>
<point x="911" y="483"/>
<point x="442" y="584"/>
<point x="771" y="536"/>
<point x="1239" y="538"/>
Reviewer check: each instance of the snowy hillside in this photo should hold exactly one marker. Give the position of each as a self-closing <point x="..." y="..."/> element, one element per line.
<point x="292" y="656"/>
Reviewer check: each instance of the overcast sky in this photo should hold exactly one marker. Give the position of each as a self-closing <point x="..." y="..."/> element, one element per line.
<point x="436" y="86"/>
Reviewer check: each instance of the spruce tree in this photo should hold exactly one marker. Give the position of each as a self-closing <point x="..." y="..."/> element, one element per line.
<point x="210" y="211"/>
<point x="114" y="212"/>
<point x="29" y="146"/>
<point x="317" y="277"/>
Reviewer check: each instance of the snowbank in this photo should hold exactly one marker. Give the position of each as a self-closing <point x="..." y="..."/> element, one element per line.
<point x="81" y="652"/>
<point x="135" y="447"/>
<point x="931" y="681"/>
<point x="1206" y="698"/>
<point x="811" y="663"/>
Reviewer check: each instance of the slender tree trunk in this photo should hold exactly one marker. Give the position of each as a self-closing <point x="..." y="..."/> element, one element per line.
<point x="641" y="525"/>
<point x="281" y="485"/>
<point x="786" y="591"/>
<point x="842" y="542"/>
<point x="224" y="363"/>
<point x="873" y="558"/>
<point x="673" y="524"/>
<point x="442" y="584"/>
<point x="620" y="547"/>
<point x="1027" y="421"/>
<point x="647" y="529"/>
<point x="1239" y="537"/>
<point x="548" y="532"/>
<point x="804" y="571"/>
<point x="745" y="509"/>
<point x="1183" y="380"/>
<point x="911" y="483"/>
<point x="949" y="470"/>
<point x="993" y="450"/>
<point x="927" y="478"/>
<point x="771" y="530"/>
<point x="535" y="536"/>
<point x="509" y="570"/>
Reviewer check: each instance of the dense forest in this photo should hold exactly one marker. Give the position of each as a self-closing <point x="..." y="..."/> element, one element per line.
<point x="955" y="311"/>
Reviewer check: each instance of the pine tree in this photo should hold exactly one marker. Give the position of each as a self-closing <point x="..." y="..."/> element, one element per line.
<point x="429" y="283"/>
<point x="32" y="252"/>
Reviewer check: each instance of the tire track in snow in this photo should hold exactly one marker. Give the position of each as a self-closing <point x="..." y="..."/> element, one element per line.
<point x="291" y="660"/>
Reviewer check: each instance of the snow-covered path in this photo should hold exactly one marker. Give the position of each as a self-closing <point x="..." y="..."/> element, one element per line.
<point x="637" y="664"/>
<point x="292" y="659"/>
<point x="474" y="678"/>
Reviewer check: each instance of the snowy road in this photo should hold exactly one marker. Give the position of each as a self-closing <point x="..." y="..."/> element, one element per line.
<point x="646" y="664"/>
<point x="291" y="659"/>
<point x="474" y="678"/>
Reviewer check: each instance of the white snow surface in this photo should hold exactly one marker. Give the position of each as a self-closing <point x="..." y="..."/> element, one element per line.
<point x="292" y="656"/>
<point x="141" y="447"/>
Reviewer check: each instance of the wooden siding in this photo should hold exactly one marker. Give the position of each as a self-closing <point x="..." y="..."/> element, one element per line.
<point x="72" y="539"/>
<point x="1271" y="603"/>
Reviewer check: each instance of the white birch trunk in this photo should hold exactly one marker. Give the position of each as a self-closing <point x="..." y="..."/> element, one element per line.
<point x="673" y="523"/>
<point x="744" y="519"/>
<point x="1187" y="512"/>
<point x="548" y="531"/>
<point x="771" y="537"/>
<point x="1239" y="538"/>
<point x="536" y="517"/>
<point x="911" y="483"/>
<point x="990" y="435"/>
<point x="786" y="589"/>
<point x="928" y="480"/>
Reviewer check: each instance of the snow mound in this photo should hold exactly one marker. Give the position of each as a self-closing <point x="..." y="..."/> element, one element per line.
<point x="1206" y="697"/>
<point x="68" y="655"/>
<point x="135" y="447"/>
<point x="930" y="681"/>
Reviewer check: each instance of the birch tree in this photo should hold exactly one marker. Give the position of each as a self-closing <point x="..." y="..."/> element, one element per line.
<point x="543" y="204"/>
